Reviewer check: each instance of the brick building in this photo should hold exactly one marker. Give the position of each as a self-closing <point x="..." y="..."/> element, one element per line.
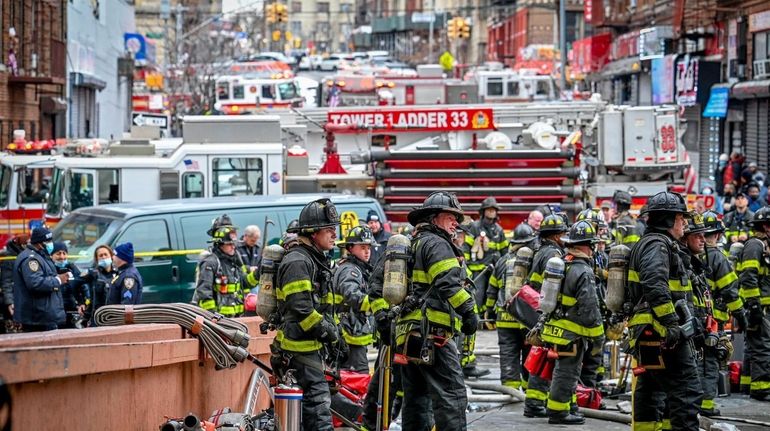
<point x="33" y="70"/>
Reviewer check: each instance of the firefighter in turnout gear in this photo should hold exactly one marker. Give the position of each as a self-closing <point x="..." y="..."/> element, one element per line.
<point x="667" y="390"/>
<point x="551" y="230"/>
<point x="351" y="284"/>
<point x="305" y="306"/>
<point x="755" y="291"/>
<point x="511" y="334"/>
<point x="489" y="243"/>
<point x="437" y="306"/>
<point x="222" y="284"/>
<point x="625" y="229"/>
<point x="576" y="320"/>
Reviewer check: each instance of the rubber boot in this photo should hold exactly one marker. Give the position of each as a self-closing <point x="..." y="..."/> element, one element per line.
<point x="474" y="371"/>
<point x="535" y="412"/>
<point x="564" y="418"/>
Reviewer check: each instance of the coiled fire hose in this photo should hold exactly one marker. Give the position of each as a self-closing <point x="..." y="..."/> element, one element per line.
<point x="224" y="339"/>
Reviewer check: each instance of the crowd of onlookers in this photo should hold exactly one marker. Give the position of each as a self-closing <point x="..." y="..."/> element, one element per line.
<point x="734" y="178"/>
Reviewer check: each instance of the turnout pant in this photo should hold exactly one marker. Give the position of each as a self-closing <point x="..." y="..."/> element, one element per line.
<point x="746" y="366"/>
<point x="592" y="368"/>
<point x="566" y="373"/>
<point x="668" y="397"/>
<point x="759" y="342"/>
<point x="708" y="371"/>
<point x="537" y="392"/>
<point x="439" y="387"/>
<point x="356" y="360"/>
<point x="316" y="399"/>
<point x="513" y="352"/>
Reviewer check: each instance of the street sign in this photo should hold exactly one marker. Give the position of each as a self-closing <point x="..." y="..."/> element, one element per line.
<point x="423" y="17"/>
<point x="145" y="119"/>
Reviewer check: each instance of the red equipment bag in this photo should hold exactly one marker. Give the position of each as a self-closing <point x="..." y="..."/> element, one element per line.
<point x="735" y="368"/>
<point x="524" y="306"/>
<point x="589" y="398"/>
<point x="352" y="387"/>
<point x="540" y="362"/>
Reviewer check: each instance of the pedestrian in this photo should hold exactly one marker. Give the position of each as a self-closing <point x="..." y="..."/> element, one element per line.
<point x="534" y="219"/>
<point x="668" y="389"/>
<point x="437" y="306"/>
<point x="728" y="198"/>
<point x="381" y="236"/>
<point x="734" y="168"/>
<point x="75" y="292"/>
<point x="99" y="278"/>
<point x="351" y="287"/>
<point x="551" y="245"/>
<point x="305" y="305"/>
<point x="755" y="200"/>
<point x="755" y="291"/>
<point x="511" y="334"/>
<point x="249" y="249"/>
<point x="576" y="320"/>
<point x="737" y="220"/>
<point x="13" y="247"/>
<point x="37" y="295"/>
<point x="719" y="173"/>
<point x="126" y="288"/>
<point x="222" y="283"/>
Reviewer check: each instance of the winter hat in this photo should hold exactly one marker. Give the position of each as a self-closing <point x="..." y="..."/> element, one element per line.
<point x="40" y="235"/>
<point x="59" y="246"/>
<point x="125" y="252"/>
<point x="372" y="215"/>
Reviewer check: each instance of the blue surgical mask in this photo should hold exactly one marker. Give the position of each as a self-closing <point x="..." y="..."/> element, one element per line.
<point x="105" y="263"/>
<point x="49" y="247"/>
<point x="62" y="264"/>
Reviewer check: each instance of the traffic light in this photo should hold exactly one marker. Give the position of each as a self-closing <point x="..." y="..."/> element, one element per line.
<point x="282" y="12"/>
<point x="272" y="16"/>
<point x="276" y="35"/>
<point x="464" y="29"/>
<point x="452" y="28"/>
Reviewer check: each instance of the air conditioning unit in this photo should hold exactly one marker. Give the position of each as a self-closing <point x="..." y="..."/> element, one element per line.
<point x="761" y="69"/>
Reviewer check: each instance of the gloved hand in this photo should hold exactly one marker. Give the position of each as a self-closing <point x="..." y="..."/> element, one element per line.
<point x="597" y="346"/>
<point x="326" y="332"/>
<point x="755" y="313"/>
<point x="740" y="321"/>
<point x="470" y="323"/>
<point x="383" y="327"/>
<point x="491" y="313"/>
<point x="673" y="336"/>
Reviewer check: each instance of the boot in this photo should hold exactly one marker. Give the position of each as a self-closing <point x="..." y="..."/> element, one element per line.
<point x="564" y="418"/>
<point x="535" y="411"/>
<point x="710" y="413"/>
<point x="475" y="371"/>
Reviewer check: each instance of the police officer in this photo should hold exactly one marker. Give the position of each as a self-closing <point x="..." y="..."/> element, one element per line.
<point x="576" y="320"/>
<point x="126" y="286"/>
<point x="625" y="227"/>
<point x="489" y="244"/>
<point x="551" y="230"/>
<point x="755" y="291"/>
<point x="13" y="247"/>
<point x="656" y="281"/>
<point x="437" y="306"/>
<point x="305" y="306"/>
<point x="351" y="284"/>
<point x="222" y="283"/>
<point x="75" y="292"/>
<point x="249" y="249"/>
<point x="37" y="294"/>
<point x="381" y="237"/>
<point x="510" y="333"/>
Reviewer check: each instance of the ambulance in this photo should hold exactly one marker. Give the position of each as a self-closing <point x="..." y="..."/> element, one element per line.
<point x="24" y="182"/>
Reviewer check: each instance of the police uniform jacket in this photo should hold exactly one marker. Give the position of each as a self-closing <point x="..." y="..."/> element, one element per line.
<point x="305" y="297"/>
<point x="250" y="256"/>
<point x="498" y="243"/>
<point x="126" y="286"/>
<point x="754" y="271"/>
<point x="438" y="278"/>
<point x="548" y="249"/>
<point x="723" y="284"/>
<point x="221" y="284"/>
<point x="577" y="314"/>
<point x="350" y="284"/>
<point x="37" y="290"/>
<point x="100" y="281"/>
<point x="381" y="242"/>
<point x="75" y="291"/>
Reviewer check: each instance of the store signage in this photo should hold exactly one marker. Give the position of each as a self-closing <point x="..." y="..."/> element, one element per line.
<point x="717" y="104"/>
<point x="759" y="21"/>
<point x="413" y="120"/>
<point x="687" y="81"/>
<point x="663" y="80"/>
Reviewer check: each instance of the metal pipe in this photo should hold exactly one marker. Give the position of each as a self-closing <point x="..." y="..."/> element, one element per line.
<point x="570" y="191"/>
<point x="393" y="173"/>
<point x="363" y="157"/>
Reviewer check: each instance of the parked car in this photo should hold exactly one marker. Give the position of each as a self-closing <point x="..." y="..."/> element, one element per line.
<point x="336" y="61"/>
<point x="310" y="62"/>
<point x="178" y="228"/>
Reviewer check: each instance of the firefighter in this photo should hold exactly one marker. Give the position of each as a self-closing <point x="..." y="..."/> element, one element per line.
<point x="437" y="306"/>
<point x="667" y="390"/>
<point x="510" y="333"/>
<point x="37" y="293"/>
<point x="7" y="258"/>
<point x="381" y="236"/>
<point x="576" y="320"/>
<point x="624" y="226"/>
<point x="351" y="285"/>
<point x="222" y="284"/>
<point x="126" y="286"/>
<point x="755" y="291"/>
<point x="305" y="307"/>
<point x="551" y="230"/>
<point x="489" y="243"/>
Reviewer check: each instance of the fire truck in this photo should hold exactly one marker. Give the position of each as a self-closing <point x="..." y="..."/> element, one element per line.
<point x="500" y="86"/>
<point x="243" y="94"/>
<point x="24" y="183"/>
<point x="219" y="156"/>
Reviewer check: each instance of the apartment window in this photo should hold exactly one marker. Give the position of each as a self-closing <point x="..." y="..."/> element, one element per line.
<point x="323" y="28"/>
<point x="761" y="45"/>
<point x="296" y="28"/>
<point x="296" y="6"/>
<point x="323" y="7"/>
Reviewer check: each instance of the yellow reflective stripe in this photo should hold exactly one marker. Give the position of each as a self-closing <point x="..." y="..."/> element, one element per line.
<point x="568" y="301"/>
<point x="765" y="300"/>
<point x="337" y="298"/>
<point x="537" y="278"/>
<point x="665" y="424"/>
<point x="468" y="272"/>
<point x="596" y="331"/>
<point x="442" y="266"/>
<point x="728" y="278"/>
<point x="357" y="340"/>
<point x="558" y="405"/>
<point x="644" y="426"/>
<point x="504" y="316"/>
<point x="365" y="306"/>
<point x="329" y="298"/>
<point x="419" y="276"/>
<point x="252" y="279"/>
<point x="707" y="404"/>
<point x="515" y="384"/>
<point x="647" y="319"/>
<point x="293" y="287"/>
<point x="746" y="264"/>
<point x="630" y="239"/>
<point x="459" y="298"/>
<point x="734" y="305"/>
<point x="490" y="302"/>
<point x="435" y="316"/>
<point x="676" y="286"/>
<point x="208" y="304"/>
<point x="720" y="315"/>
<point x="633" y="276"/>
<point x="232" y="287"/>
<point x="311" y="320"/>
<point x="494" y="282"/>
<point x="476" y="267"/>
<point x="745" y="380"/>
<point x="534" y="394"/>
<point x="760" y="385"/>
<point x="469" y="239"/>
<point x="227" y="310"/>
<point x="500" y="245"/>
<point x="750" y="293"/>
<point x="508" y="324"/>
<point x="378" y="305"/>
<point x="664" y="309"/>
<point x="296" y="345"/>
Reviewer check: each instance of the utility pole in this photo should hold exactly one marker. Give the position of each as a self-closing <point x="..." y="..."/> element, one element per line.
<point x="563" y="43"/>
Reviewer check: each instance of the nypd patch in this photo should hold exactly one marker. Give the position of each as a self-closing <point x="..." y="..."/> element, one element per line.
<point x="34" y="265"/>
<point x="129" y="283"/>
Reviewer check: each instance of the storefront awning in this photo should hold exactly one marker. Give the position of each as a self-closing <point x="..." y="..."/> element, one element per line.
<point x="751" y="89"/>
<point x="627" y="66"/>
<point x="87" y="80"/>
<point x="718" y="100"/>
